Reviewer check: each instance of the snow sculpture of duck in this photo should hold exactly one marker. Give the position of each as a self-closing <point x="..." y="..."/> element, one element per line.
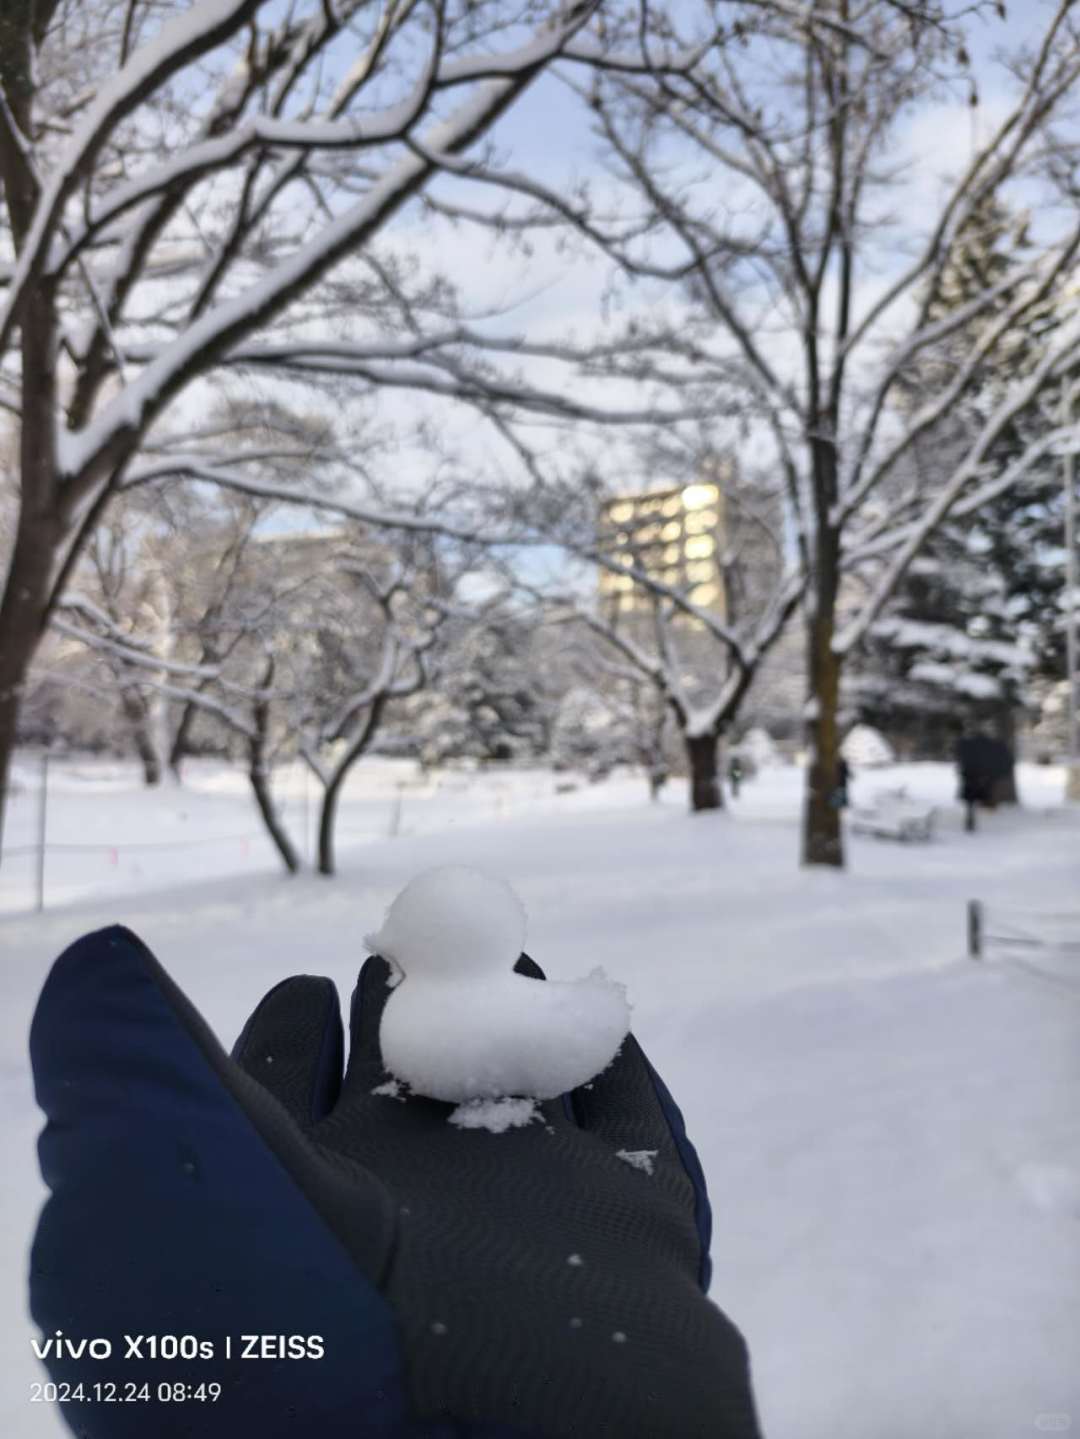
<point x="460" y="1025"/>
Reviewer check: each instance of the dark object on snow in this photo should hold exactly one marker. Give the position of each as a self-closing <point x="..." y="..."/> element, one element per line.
<point x="985" y="765"/>
<point x="659" y="774"/>
<point x="460" y="1283"/>
<point x="839" y="797"/>
<point x="735" y="774"/>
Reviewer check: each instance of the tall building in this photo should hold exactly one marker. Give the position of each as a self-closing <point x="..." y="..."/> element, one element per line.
<point x="674" y="536"/>
<point x="724" y="543"/>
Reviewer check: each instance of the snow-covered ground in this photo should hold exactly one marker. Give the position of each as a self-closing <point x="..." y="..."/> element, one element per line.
<point x="891" y="1133"/>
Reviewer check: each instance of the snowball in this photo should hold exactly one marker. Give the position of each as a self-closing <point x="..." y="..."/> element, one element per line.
<point x="462" y="1025"/>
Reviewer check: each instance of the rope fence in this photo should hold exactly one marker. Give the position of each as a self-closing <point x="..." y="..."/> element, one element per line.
<point x="1044" y="943"/>
<point x="298" y="810"/>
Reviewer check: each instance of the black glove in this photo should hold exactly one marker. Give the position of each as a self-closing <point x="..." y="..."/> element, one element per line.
<point x="459" y="1282"/>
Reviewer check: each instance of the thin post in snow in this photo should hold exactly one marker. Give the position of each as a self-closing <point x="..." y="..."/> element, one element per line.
<point x="305" y="823"/>
<point x="975" y="928"/>
<point x="1072" y="607"/>
<point x="43" y="811"/>
<point x="395" y="811"/>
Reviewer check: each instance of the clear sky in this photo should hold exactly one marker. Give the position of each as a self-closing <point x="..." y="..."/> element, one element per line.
<point x="547" y="135"/>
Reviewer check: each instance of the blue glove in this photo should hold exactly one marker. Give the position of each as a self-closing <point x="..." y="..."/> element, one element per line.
<point x="294" y="1255"/>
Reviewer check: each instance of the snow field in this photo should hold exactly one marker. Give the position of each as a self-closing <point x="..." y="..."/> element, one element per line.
<point x="890" y="1132"/>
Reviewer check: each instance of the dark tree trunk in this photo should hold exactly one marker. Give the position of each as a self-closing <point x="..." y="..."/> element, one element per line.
<point x="702" y="755"/>
<point x="822" y="835"/>
<point x="259" y="776"/>
<point x="823" y="841"/>
<point x="21" y="615"/>
<point x="39" y="533"/>
<point x="139" y="719"/>
<point x="1005" y="791"/>
<point x="327" y="821"/>
<point x="182" y="738"/>
<point x="260" y="786"/>
<point x="328" y="814"/>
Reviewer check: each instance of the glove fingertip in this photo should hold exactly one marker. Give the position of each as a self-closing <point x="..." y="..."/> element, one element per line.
<point x="293" y="1045"/>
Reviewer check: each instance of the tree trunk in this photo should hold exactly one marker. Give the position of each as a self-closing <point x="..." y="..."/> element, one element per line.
<point x="823" y="841"/>
<point x="260" y="787"/>
<point x="328" y="813"/>
<point x="21" y="615"/>
<point x="1004" y="790"/>
<point x="259" y="776"/>
<point x="39" y="532"/>
<point x="327" y="821"/>
<point x="179" y="747"/>
<point x="134" y="707"/>
<point x="702" y="754"/>
<point x="822" y="835"/>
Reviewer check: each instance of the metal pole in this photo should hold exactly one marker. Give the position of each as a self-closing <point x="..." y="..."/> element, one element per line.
<point x="43" y="809"/>
<point x="1072" y="582"/>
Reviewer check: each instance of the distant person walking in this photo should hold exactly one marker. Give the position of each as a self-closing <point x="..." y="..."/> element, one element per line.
<point x="978" y="760"/>
<point x="735" y="775"/>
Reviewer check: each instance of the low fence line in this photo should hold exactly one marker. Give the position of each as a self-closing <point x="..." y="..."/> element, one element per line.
<point x="295" y="809"/>
<point x="126" y="846"/>
<point x="1006" y="930"/>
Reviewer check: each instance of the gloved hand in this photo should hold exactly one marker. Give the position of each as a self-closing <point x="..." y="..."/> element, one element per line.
<point x="460" y="1283"/>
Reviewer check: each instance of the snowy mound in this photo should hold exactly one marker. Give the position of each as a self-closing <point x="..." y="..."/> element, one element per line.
<point x="760" y="748"/>
<point x="866" y="746"/>
<point x="461" y="1025"/>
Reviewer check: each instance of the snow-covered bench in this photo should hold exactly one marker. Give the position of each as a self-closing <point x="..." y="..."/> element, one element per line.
<point x="892" y="814"/>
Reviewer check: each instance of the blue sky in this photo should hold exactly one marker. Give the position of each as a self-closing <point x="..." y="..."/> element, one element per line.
<point x="546" y="134"/>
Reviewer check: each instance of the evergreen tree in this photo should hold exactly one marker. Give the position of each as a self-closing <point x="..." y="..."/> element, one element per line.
<point x="978" y="615"/>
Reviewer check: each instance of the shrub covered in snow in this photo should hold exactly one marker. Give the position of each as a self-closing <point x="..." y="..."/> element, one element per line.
<point x="866" y="746"/>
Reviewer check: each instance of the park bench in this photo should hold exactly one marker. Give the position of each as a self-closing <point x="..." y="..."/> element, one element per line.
<point x="893" y="814"/>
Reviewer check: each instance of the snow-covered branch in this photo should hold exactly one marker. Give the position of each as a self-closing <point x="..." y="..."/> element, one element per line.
<point x="112" y="433"/>
<point x="181" y="40"/>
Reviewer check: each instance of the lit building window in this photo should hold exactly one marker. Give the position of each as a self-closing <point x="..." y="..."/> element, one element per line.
<point x="696" y="497"/>
<point x="700" y="521"/>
